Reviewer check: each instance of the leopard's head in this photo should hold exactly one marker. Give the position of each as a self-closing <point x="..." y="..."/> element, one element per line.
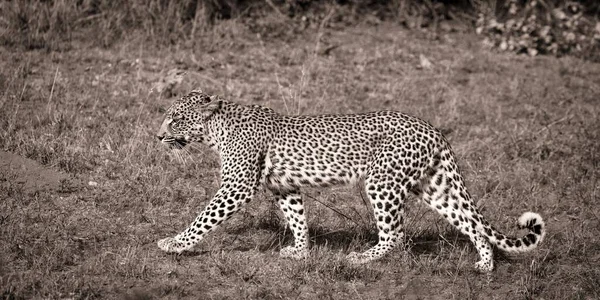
<point x="185" y="121"/>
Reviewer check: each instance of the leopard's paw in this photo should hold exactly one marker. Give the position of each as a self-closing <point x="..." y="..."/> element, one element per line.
<point x="171" y="245"/>
<point x="484" y="266"/>
<point x="356" y="258"/>
<point x="294" y="253"/>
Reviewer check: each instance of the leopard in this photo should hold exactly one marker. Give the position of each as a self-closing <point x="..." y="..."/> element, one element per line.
<point x="394" y="155"/>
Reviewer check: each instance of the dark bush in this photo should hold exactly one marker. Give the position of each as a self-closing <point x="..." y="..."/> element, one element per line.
<point x="541" y="27"/>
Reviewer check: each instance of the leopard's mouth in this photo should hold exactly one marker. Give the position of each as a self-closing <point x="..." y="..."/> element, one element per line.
<point x="179" y="143"/>
<point x="175" y="142"/>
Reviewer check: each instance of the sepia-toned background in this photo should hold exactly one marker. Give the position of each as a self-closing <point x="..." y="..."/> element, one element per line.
<point x="86" y="190"/>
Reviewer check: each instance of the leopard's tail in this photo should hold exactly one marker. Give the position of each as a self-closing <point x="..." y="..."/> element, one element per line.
<point x="530" y="221"/>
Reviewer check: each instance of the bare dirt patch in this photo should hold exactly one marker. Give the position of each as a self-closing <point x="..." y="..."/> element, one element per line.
<point x="30" y="176"/>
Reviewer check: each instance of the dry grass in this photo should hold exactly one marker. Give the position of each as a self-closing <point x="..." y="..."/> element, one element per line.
<point x="525" y="129"/>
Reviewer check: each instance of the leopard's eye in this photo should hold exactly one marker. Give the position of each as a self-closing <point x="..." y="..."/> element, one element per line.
<point x="176" y="117"/>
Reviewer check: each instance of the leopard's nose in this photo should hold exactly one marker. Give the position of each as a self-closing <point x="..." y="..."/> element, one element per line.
<point x="160" y="137"/>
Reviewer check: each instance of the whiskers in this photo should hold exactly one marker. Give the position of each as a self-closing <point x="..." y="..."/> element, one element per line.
<point x="182" y="155"/>
<point x="179" y="151"/>
<point x="195" y="146"/>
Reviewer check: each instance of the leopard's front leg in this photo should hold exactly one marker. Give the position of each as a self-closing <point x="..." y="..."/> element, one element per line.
<point x="228" y="199"/>
<point x="238" y="186"/>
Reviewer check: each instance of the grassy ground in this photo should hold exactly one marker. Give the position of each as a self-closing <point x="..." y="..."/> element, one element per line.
<point x="525" y="129"/>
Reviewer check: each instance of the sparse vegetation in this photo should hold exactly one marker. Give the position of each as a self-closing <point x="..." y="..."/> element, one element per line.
<point x="83" y="88"/>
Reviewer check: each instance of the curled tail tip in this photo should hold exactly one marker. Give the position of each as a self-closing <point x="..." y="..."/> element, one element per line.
<point x="535" y="224"/>
<point x="530" y="219"/>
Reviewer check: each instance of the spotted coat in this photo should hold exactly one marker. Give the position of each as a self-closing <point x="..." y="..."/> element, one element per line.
<point x="394" y="153"/>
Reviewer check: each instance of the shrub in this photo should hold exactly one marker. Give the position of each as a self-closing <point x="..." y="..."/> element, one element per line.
<point x="35" y="24"/>
<point x="52" y="24"/>
<point x="540" y="27"/>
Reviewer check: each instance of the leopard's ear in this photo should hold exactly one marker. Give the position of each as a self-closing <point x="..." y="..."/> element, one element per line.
<point x="214" y="105"/>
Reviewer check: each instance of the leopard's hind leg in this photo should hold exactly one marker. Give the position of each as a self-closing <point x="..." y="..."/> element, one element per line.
<point x="443" y="190"/>
<point x="389" y="180"/>
<point x="290" y="203"/>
